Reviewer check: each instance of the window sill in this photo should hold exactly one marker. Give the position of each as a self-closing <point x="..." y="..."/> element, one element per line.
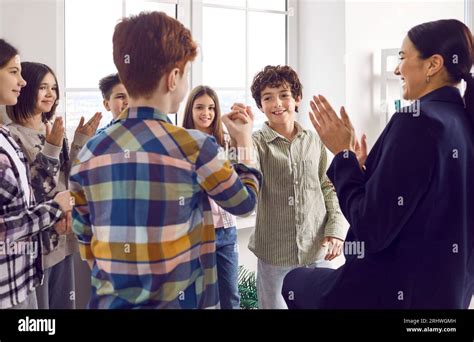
<point x="246" y="222"/>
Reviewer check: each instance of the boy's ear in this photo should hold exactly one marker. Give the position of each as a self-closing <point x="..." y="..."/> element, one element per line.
<point x="106" y="105"/>
<point x="172" y="79"/>
<point x="298" y="101"/>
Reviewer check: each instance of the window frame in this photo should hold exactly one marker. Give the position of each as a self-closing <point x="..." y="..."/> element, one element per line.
<point x="180" y="14"/>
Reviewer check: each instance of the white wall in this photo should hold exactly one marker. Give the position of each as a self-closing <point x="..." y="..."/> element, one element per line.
<point x="35" y="29"/>
<point x="370" y="27"/>
<point x="30" y="25"/>
<point x="1" y="22"/>
<point x="321" y="41"/>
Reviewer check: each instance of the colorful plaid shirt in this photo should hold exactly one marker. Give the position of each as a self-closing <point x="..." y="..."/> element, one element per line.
<point x="20" y="254"/>
<point x="142" y="214"/>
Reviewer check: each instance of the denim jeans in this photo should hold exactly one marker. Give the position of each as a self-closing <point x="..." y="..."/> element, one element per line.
<point x="269" y="285"/>
<point x="270" y="282"/>
<point x="227" y="267"/>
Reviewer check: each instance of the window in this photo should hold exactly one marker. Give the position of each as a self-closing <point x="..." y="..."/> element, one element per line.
<point x="262" y="33"/>
<point x="237" y="39"/>
<point x="89" y="27"/>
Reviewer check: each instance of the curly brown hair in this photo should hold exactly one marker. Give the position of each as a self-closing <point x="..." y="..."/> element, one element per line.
<point x="274" y="77"/>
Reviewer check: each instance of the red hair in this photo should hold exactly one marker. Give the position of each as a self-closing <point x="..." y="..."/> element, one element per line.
<point x="146" y="47"/>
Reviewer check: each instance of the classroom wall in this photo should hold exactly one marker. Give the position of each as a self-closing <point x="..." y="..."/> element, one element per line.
<point x="32" y="26"/>
<point x="321" y="51"/>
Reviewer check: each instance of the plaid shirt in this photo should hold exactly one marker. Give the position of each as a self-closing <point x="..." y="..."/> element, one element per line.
<point x="20" y="257"/>
<point x="142" y="214"/>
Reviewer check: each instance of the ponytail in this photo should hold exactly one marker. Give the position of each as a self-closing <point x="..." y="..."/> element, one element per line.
<point x="469" y="96"/>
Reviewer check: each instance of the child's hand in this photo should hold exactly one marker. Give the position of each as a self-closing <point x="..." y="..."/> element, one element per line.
<point x="239" y="122"/>
<point x="334" y="245"/>
<point x="65" y="225"/>
<point x="91" y="126"/>
<point x="55" y="135"/>
<point x="64" y="200"/>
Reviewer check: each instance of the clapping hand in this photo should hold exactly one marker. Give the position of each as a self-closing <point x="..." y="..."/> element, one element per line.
<point x="90" y="127"/>
<point x="55" y="135"/>
<point x="337" y="134"/>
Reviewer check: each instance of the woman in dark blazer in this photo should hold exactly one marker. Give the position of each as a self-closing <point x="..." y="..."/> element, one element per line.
<point x="410" y="204"/>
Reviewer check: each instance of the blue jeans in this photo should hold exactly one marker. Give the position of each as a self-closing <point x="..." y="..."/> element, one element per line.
<point x="227" y="267"/>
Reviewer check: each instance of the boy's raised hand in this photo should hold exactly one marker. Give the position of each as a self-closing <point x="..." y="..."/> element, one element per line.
<point x="55" y="135"/>
<point x="90" y="127"/>
<point x="239" y="122"/>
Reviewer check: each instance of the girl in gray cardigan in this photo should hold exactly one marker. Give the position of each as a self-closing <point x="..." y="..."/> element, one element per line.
<point x="32" y="129"/>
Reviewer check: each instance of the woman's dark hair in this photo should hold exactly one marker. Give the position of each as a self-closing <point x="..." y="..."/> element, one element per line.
<point x="216" y="126"/>
<point x="7" y="52"/>
<point x="33" y="73"/>
<point x="454" y="42"/>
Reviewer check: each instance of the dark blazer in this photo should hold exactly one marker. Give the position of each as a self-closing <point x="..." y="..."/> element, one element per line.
<point x="413" y="209"/>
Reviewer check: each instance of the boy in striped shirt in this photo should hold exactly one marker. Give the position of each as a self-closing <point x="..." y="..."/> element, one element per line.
<point x="298" y="220"/>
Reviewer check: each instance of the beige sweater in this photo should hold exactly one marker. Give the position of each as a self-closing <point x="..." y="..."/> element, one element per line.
<point x="49" y="175"/>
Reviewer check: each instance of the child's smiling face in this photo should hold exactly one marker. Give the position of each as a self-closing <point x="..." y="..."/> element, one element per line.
<point x="278" y="104"/>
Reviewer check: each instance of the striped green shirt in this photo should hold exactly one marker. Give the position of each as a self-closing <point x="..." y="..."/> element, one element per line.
<point x="297" y="205"/>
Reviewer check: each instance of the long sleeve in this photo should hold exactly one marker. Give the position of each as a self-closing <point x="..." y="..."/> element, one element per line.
<point x="44" y="162"/>
<point x="236" y="192"/>
<point x="378" y="207"/>
<point x="16" y="222"/>
<point x="45" y="170"/>
<point x="336" y="225"/>
<point x="81" y="219"/>
<point x="78" y="142"/>
<point x="256" y="154"/>
<point x="82" y="226"/>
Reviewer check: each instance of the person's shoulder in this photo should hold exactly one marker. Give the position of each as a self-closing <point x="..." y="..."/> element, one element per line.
<point x="415" y="125"/>
<point x="312" y="135"/>
<point x="95" y="146"/>
<point x="258" y="136"/>
<point x="194" y="143"/>
<point x="14" y="128"/>
<point x="189" y="136"/>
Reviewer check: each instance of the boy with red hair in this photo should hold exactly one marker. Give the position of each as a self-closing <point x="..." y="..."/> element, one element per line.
<point x="142" y="215"/>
